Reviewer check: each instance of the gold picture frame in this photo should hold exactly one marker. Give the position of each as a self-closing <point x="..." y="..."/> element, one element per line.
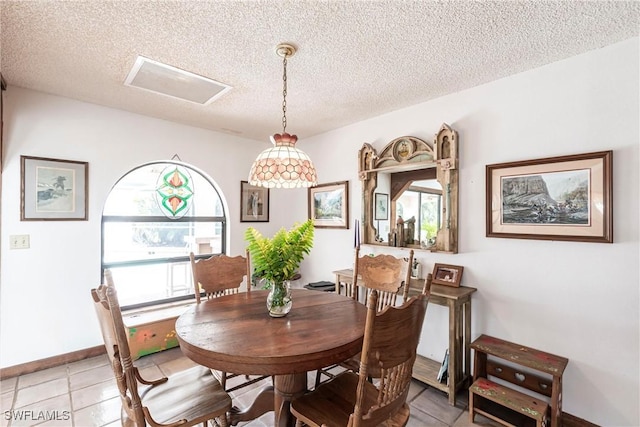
<point x="328" y="205"/>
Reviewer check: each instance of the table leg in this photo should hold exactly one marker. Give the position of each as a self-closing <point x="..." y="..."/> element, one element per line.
<point x="287" y="387"/>
<point x="467" y="341"/>
<point x="453" y="352"/>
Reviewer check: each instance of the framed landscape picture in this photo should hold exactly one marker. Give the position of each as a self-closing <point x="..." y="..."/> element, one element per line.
<point x="556" y="198"/>
<point x="254" y="203"/>
<point x="53" y="189"/>
<point x="329" y="205"/>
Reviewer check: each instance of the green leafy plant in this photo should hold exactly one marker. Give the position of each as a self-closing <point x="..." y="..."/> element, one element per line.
<point x="276" y="259"/>
<point x="430" y="228"/>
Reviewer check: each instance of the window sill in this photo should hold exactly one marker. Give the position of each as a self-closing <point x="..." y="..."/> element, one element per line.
<point x="155" y="313"/>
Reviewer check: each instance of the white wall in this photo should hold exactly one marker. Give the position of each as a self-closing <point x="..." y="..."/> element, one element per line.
<point x="44" y="298"/>
<point x="578" y="300"/>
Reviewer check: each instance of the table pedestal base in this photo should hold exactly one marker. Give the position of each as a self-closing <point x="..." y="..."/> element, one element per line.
<point x="287" y="388"/>
<point x="261" y="405"/>
<point x="275" y="398"/>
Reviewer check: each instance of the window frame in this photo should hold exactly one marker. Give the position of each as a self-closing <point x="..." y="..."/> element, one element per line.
<point x="105" y="219"/>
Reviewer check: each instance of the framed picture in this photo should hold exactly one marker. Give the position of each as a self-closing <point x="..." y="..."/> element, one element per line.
<point x="381" y="203"/>
<point x="329" y="205"/>
<point x="254" y="203"/>
<point x="447" y="274"/>
<point x="555" y="198"/>
<point x="53" y="189"/>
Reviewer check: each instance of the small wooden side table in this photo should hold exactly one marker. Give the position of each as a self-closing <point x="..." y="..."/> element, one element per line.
<point x="458" y="301"/>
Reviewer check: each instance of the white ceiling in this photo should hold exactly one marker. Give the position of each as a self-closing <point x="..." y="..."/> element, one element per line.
<point x="355" y="59"/>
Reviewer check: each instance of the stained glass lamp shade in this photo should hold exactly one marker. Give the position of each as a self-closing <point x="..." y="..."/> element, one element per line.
<point x="283" y="165"/>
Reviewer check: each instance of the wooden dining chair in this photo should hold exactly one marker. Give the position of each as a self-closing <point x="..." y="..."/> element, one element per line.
<point x="187" y="398"/>
<point x="390" y="276"/>
<point x="220" y="275"/>
<point x="387" y="274"/>
<point x="389" y="348"/>
<point x="217" y="276"/>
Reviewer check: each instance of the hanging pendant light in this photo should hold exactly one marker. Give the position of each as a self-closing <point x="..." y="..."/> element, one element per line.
<point x="283" y="165"/>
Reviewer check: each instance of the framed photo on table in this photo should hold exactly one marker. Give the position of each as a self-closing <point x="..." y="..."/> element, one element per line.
<point x="329" y="205"/>
<point x="381" y="203"/>
<point x="447" y="274"/>
<point x="254" y="203"/>
<point x="53" y="189"/>
<point x="555" y="198"/>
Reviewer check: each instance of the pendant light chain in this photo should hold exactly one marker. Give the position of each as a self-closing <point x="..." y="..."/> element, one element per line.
<point x="283" y="165"/>
<point x="284" y="94"/>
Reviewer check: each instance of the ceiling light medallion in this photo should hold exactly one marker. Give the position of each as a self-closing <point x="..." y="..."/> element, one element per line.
<point x="283" y="165"/>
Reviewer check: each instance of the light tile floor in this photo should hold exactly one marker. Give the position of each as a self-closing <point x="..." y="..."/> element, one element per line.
<point x="84" y="394"/>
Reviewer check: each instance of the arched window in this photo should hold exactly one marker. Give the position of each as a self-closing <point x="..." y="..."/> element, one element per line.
<point x="153" y="217"/>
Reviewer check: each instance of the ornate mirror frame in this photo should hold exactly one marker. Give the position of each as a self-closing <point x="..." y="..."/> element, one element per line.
<point x="409" y="158"/>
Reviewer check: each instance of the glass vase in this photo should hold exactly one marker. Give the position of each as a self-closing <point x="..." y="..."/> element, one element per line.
<point x="279" y="299"/>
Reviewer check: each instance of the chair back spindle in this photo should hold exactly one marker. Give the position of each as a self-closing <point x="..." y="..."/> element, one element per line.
<point x="426" y="288"/>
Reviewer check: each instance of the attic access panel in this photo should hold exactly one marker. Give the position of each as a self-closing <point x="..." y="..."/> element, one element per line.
<point x="167" y="80"/>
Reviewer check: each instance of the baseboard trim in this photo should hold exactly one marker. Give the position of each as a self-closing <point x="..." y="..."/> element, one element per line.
<point x="50" y="362"/>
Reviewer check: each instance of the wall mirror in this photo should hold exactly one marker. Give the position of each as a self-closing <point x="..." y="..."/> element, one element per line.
<point x="410" y="192"/>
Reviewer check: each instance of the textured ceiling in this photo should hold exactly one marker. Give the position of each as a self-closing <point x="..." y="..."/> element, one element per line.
<point x="355" y="59"/>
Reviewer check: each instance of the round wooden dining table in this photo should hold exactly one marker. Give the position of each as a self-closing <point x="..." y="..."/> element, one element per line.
<point x="235" y="333"/>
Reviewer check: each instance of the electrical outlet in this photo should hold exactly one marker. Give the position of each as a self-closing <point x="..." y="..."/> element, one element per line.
<point x="19" y="241"/>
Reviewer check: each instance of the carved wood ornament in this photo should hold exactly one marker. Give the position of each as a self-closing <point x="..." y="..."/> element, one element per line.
<point x="409" y="158"/>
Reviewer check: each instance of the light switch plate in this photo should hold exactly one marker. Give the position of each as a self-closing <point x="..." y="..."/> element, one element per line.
<point x="19" y="241"/>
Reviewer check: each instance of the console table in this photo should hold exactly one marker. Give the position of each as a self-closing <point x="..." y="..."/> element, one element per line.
<point x="458" y="301"/>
